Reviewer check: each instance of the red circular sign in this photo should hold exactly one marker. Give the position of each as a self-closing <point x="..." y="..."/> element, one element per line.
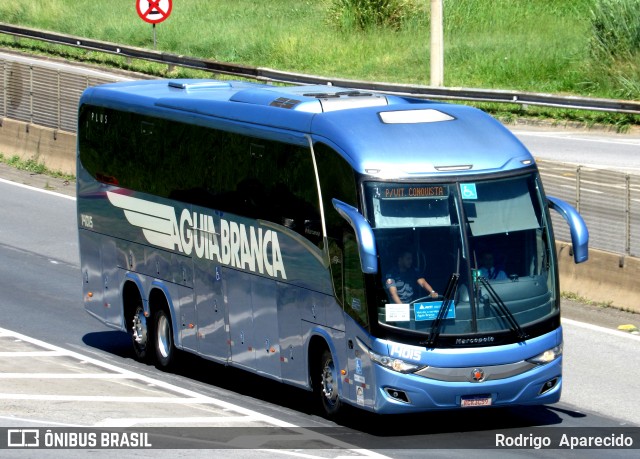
<point x="154" y="11"/>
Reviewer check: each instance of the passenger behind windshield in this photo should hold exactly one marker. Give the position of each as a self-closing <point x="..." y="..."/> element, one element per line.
<point x="404" y="283"/>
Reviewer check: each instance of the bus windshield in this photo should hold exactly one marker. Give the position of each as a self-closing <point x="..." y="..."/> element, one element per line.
<point x="490" y="235"/>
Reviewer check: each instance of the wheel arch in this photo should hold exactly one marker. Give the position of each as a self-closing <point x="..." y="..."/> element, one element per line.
<point x="319" y="341"/>
<point x="132" y="296"/>
<point x="160" y="298"/>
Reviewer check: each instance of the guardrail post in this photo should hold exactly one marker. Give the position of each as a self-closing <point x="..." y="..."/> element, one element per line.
<point x="5" y="92"/>
<point x="627" y="215"/>
<point x="30" y="96"/>
<point x="59" y="103"/>
<point x="578" y="169"/>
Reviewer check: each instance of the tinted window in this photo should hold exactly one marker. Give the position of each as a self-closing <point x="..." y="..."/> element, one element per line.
<point x="226" y="171"/>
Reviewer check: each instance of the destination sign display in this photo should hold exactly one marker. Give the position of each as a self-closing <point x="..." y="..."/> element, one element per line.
<point x="413" y="191"/>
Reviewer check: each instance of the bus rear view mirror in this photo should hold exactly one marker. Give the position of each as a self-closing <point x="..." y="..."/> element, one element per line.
<point x="364" y="236"/>
<point x="577" y="227"/>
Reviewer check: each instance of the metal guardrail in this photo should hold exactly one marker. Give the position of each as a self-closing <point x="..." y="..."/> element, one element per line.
<point x="46" y="93"/>
<point x="266" y="74"/>
<point x="609" y="202"/>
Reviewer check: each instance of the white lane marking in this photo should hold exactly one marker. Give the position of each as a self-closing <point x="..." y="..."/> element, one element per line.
<point x="63" y="376"/>
<point x="188" y="394"/>
<point x="131" y="422"/>
<point x="33" y="188"/>
<point x="580" y="137"/>
<point x="190" y="397"/>
<point x="608" y="331"/>
<point x="108" y="399"/>
<point x="33" y="354"/>
<point x="38" y="421"/>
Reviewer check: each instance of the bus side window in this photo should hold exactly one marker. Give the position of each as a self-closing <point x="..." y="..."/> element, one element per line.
<point x="337" y="180"/>
<point x="355" y="302"/>
<point x="336" y="263"/>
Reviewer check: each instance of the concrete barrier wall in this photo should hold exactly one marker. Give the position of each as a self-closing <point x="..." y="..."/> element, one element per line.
<point x="606" y="278"/>
<point x="55" y="149"/>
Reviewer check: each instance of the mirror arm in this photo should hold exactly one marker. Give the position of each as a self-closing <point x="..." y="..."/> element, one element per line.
<point x="577" y="226"/>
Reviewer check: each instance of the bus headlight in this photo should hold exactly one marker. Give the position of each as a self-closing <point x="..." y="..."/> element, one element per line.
<point x="399" y="365"/>
<point x="547" y="356"/>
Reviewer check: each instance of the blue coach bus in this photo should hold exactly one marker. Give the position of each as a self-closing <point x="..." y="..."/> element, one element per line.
<point x="385" y="252"/>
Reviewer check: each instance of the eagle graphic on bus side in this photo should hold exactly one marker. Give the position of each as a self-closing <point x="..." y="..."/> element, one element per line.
<point x="237" y="245"/>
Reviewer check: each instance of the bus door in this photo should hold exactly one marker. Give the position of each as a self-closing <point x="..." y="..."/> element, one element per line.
<point x="101" y="278"/>
<point x="112" y="281"/>
<point x="253" y="321"/>
<point x="213" y="336"/>
<point x="92" y="278"/>
<point x="265" y="325"/>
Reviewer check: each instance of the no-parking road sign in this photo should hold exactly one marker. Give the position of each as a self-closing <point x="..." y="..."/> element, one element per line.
<point x="154" y="11"/>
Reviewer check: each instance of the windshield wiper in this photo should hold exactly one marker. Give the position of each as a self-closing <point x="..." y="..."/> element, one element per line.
<point x="444" y="309"/>
<point x="508" y="315"/>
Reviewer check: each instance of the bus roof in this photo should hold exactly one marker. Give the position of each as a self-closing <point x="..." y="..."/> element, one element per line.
<point x="380" y="135"/>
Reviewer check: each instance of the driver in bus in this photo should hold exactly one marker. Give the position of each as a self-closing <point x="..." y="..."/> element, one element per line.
<point x="488" y="270"/>
<point x="404" y="283"/>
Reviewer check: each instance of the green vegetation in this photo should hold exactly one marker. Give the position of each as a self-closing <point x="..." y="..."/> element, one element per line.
<point x="352" y="15"/>
<point x="33" y="166"/>
<point x="580" y="299"/>
<point x="615" y="45"/>
<point x="580" y="47"/>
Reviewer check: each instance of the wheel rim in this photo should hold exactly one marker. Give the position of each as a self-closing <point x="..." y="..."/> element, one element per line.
<point x="328" y="381"/>
<point x="164" y="337"/>
<point x="139" y="330"/>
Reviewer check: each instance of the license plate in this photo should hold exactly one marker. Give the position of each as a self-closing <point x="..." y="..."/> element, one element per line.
<point x="467" y="402"/>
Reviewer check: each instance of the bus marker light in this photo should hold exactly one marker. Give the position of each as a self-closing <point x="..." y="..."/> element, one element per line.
<point x="90" y="294"/>
<point x="343" y="372"/>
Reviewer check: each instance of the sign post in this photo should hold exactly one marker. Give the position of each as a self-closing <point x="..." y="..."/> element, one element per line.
<point x="154" y="12"/>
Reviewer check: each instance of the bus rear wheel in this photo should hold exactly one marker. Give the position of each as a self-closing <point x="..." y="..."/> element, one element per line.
<point x="327" y="386"/>
<point x="163" y="342"/>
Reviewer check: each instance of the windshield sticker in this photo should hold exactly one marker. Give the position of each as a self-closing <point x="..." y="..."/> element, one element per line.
<point x="397" y="313"/>
<point x="429" y="310"/>
<point x="468" y="191"/>
<point x="412" y="191"/>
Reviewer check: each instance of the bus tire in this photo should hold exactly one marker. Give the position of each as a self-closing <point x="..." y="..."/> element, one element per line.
<point x="139" y="333"/>
<point x="163" y="343"/>
<point x="327" y="385"/>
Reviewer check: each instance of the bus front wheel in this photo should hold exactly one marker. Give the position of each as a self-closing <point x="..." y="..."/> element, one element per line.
<point x="327" y="389"/>
<point x="163" y="342"/>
